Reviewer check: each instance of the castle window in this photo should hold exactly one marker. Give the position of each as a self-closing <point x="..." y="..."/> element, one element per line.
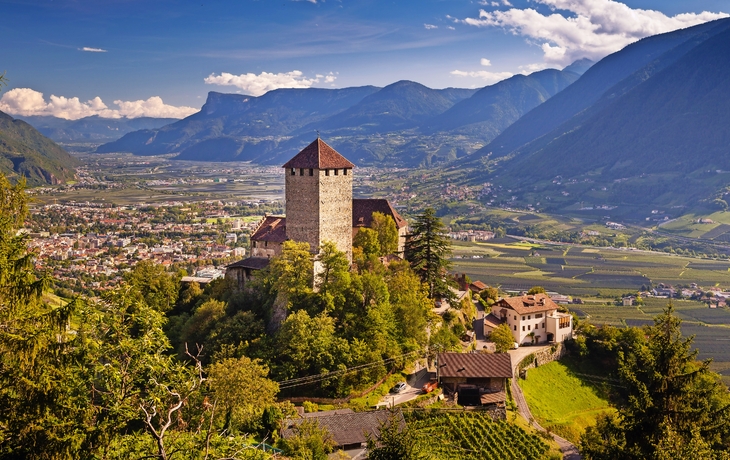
<point x="344" y="172"/>
<point x="266" y="244"/>
<point x="326" y="172"/>
<point x="293" y="172"/>
<point x="523" y="328"/>
<point x="515" y="328"/>
<point x="311" y="172"/>
<point x="301" y="171"/>
<point x="335" y="171"/>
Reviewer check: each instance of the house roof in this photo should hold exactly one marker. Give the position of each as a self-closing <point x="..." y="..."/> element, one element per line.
<point x="271" y="228"/>
<point x="348" y="428"/>
<point x="478" y="285"/>
<point x="256" y="263"/>
<point x="318" y="155"/>
<point x="527" y="304"/>
<point x="363" y="209"/>
<point x="492" y="321"/>
<point x="475" y="365"/>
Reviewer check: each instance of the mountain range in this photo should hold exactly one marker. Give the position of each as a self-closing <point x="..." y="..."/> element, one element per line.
<point x="647" y="124"/>
<point x="403" y="124"/>
<point x="26" y="152"/>
<point x="91" y="129"/>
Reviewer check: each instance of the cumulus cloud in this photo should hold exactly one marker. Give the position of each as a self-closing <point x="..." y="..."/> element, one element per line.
<point x="485" y="62"/>
<point x="488" y="77"/>
<point x="592" y="28"/>
<point x="256" y="85"/>
<point x="430" y="26"/>
<point x="92" y="50"/>
<point x="28" y="102"/>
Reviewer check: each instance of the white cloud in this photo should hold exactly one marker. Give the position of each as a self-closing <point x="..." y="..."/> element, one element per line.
<point x="27" y="102"/>
<point x="506" y="3"/>
<point x="485" y="62"/>
<point x="451" y="27"/>
<point x="488" y="77"/>
<point x="92" y="50"/>
<point x="430" y="26"/>
<point x="256" y="85"/>
<point x="594" y="29"/>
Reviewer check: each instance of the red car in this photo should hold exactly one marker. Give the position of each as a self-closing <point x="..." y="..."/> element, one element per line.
<point x="430" y="386"/>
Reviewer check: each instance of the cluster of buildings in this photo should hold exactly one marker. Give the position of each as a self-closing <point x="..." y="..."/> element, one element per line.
<point x="106" y="241"/>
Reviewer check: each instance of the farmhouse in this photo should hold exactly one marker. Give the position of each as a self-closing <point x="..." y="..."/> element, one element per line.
<point x="349" y="429"/>
<point x="476" y="378"/>
<point x="531" y="318"/>
<point x="319" y="208"/>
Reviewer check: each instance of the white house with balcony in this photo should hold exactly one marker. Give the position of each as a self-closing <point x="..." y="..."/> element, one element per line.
<point x="532" y="319"/>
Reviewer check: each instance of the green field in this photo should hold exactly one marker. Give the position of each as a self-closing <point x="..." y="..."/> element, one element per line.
<point x="599" y="275"/>
<point x="581" y="271"/>
<point x="561" y="401"/>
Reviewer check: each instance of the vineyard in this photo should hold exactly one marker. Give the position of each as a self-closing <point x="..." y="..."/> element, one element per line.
<point x="471" y="435"/>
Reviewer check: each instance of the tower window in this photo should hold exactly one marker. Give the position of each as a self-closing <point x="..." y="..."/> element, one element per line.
<point x="326" y="172"/>
<point x="335" y="171"/>
<point x="311" y="172"/>
<point x="344" y="172"/>
<point x="301" y="171"/>
<point x="293" y="172"/>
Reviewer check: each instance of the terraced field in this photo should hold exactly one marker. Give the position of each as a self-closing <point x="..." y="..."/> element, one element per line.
<point x="462" y="435"/>
<point x="598" y="275"/>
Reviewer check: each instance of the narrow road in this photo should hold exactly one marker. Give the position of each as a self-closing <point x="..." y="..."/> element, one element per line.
<point x="569" y="450"/>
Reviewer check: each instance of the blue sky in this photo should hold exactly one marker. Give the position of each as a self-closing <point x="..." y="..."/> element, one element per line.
<point x="160" y="58"/>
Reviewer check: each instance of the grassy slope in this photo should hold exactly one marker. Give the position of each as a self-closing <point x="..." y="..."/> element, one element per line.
<point x="561" y="401"/>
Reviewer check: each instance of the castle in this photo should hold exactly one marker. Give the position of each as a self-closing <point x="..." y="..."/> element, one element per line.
<point x="319" y="208"/>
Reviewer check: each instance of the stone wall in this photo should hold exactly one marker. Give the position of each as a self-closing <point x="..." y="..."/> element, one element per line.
<point x="302" y="207"/>
<point x="544" y="356"/>
<point x="319" y="208"/>
<point x="335" y="209"/>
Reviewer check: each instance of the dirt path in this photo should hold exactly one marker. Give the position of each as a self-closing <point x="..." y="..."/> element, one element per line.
<point x="569" y="450"/>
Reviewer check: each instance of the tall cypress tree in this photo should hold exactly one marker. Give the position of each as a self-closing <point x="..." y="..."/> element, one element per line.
<point x="427" y="250"/>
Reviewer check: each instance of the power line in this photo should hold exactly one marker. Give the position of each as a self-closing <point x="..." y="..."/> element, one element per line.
<point x="284" y="384"/>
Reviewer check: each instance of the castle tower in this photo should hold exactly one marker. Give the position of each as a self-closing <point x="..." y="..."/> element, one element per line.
<point x="319" y="197"/>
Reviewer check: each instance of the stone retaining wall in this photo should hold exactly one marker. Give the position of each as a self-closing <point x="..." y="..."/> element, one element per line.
<point x="547" y="355"/>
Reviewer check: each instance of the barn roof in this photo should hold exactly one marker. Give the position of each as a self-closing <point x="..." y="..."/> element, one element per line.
<point x="318" y="155"/>
<point x="475" y="365"/>
<point x="346" y="429"/>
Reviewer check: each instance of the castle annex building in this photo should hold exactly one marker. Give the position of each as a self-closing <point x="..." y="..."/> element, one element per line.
<point x="319" y="208"/>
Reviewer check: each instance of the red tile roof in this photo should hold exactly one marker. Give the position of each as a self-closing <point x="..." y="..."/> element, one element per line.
<point x="318" y="155"/>
<point x="528" y="303"/>
<point x="363" y="209"/>
<point x="475" y="365"/>
<point x="271" y="228"/>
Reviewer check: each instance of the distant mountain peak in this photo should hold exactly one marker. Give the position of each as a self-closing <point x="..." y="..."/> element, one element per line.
<point x="580" y="66"/>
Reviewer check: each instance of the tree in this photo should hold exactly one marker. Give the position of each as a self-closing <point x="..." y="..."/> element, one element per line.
<point x="291" y="272"/>
<point x="502" y="338"/>
<point x="387" y="232"/>
<point x="427" y="249"/>
<point x="241" y="389"/>
<point x="310" y="442"/>
<point x="536" y="290"/>
<point x="158" y="288"/>
<point x="394" y="441"/>
<point x="41" y="394"/>
<point x="665" y="391"/>
<point x="367" y="240"/>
